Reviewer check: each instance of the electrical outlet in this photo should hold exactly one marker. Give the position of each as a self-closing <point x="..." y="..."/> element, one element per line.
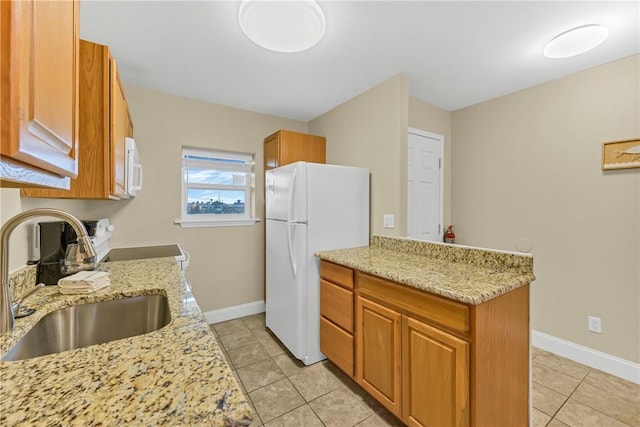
<point x="595" y="324"/>
<point x="389" y="221"/>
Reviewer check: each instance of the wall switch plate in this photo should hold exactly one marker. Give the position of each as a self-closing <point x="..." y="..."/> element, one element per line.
<point x="389" y="221"/>
<point x="595" y="324"/>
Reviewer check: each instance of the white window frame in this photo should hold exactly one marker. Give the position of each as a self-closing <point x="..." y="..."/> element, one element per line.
<point x="217" y="220"/>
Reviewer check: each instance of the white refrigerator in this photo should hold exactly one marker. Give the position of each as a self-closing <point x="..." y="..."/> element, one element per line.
<point x="310" y="207"/>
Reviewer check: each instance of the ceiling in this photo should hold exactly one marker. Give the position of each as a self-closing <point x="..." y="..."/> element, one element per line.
<point x="455" y="54"/>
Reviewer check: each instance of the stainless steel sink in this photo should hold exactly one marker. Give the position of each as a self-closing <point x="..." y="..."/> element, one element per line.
<point x="88" y="324"/>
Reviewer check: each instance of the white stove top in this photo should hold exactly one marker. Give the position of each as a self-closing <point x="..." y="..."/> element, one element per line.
<point x="100" y="237"/>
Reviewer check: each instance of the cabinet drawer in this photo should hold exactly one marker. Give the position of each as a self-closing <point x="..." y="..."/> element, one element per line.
<point x="336" y="304"/>
<point x="337" y="345"/>
<point x="411" y="301"/>
<point x="337" y="274"/>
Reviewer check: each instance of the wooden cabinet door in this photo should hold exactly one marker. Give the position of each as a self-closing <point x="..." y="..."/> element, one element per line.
<point x="295" y="147"/>
<point x="285" y="146"/>
<point x="378" y="353"/>
<point x="104" y="124"/>
<point x="40" y="84"/>
<point x="271" y="151"/>
<point x="435" y="380"/>
<point x="119" y="120"/>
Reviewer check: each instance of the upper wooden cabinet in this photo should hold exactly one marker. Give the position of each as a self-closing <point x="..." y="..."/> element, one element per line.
<point x="39" y="93"/>
<point x="104" y="124"/>
<point x="120" y="128"/>
<point x="285" y="146"/>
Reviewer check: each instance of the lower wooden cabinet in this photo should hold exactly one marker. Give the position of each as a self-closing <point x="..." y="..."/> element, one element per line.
<point x="337" y="316"/>
<point x="379" y="353"/>
<point x="435" y="376"/>
<point x="418" y="372"/>
<point x="430" y="360"/>
<point x="337" y="345"/>
<point x="337" y="303"/>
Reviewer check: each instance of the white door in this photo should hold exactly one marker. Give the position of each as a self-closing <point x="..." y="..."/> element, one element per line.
<point x="424" y="193"/>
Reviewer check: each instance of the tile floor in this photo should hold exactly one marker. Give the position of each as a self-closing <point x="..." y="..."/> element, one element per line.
<point x="286" y="393"/>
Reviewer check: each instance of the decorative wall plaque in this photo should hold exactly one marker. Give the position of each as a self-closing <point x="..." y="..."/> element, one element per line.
<point x="621" y="154"/>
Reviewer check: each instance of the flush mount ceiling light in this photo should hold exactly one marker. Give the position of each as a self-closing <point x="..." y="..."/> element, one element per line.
<point x="282" y="26"/>
<point x="576" y="41"/>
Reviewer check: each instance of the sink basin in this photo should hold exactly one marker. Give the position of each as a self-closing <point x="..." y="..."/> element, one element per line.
<point x="88" y="324"/>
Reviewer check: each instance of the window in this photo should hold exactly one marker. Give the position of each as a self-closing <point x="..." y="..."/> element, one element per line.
<point x="217" y="188"/>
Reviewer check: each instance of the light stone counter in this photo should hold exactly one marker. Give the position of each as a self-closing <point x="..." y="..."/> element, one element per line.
<point x="175" y="376"/>
<point x="465" y="274"/>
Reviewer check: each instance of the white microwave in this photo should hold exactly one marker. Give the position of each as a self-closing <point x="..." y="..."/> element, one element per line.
<point x="133" y="169"/>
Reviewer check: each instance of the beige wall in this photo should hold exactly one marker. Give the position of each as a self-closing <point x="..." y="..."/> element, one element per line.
<point x="370" y="131"/>
<point x="527" y="166"/>
<point x="226" y="266"/>
<point x="433" y="119"/>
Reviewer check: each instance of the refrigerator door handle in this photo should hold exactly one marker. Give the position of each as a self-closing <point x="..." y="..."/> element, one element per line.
<point x="292" y="259"/>
<point x="270" y="185"/>
<point x="291" y="192"/>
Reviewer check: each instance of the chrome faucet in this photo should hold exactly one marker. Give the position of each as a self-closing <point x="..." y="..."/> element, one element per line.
<point x="21" y="311"/>
<point x="6" y="312"/>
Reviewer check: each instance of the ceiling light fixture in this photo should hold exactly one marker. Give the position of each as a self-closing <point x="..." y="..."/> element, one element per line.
<point x="282" y="26"/>
<point x="576" y="41"/>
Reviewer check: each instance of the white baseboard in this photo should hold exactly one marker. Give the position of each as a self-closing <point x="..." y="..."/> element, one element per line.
<point x="613" y="365"/>
<point x="230" y="313"/>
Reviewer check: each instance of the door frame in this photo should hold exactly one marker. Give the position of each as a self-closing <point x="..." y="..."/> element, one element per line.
<point x="440" y="139"/>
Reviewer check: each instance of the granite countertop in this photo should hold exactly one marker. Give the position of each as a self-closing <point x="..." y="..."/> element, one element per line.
<point x="464" y="274"/>
<point x="177" y="375"/>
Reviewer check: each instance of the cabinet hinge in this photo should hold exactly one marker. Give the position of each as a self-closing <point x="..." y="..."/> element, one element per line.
<point x="440" y="163"/>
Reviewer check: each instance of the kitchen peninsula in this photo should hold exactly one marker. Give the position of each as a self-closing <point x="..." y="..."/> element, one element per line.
<point x="176" y="375"/>
<point x="438" y="333"/>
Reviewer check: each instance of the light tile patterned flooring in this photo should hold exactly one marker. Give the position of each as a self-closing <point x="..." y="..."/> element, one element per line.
<point x="284" y="392"/>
